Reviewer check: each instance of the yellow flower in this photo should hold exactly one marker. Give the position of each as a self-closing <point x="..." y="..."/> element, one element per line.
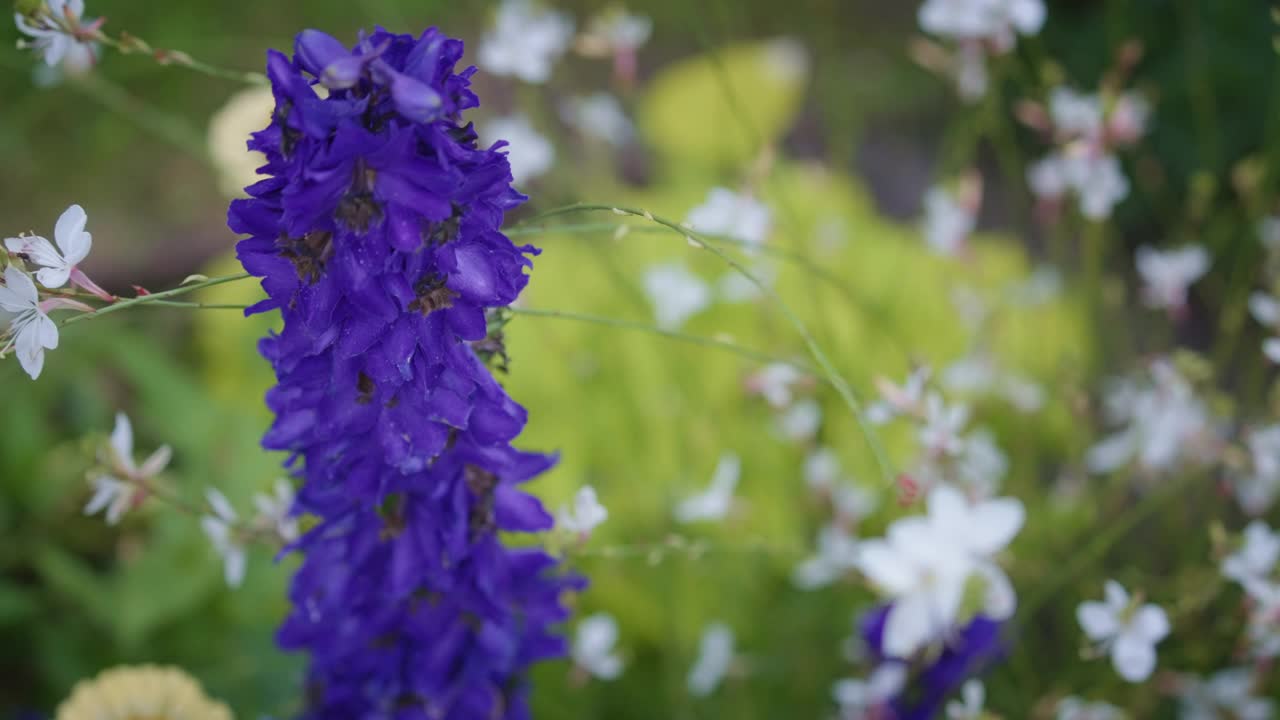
<point x="142" y="692"/>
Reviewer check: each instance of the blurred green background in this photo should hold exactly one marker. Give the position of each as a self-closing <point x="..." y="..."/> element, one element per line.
<point x="855" y="141"/>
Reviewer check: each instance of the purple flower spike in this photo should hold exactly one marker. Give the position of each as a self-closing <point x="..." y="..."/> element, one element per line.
<point x="377" y="236"/>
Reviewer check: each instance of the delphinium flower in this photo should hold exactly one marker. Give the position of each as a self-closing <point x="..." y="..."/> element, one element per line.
<point x="676" y="293"/>
<point x="1164" y="423"/>
<point x="1225" y="694"/>
<point x="979" y="28"/>
<point x="1126" y="629"/>
<point x="716" y="501"/>
<point x="584" y="515"/>
<point x="141" y="691"/>
<point x="1087" y="130"/>
<point x="715" y="658"/>
<point x="599" y="116"/>
<point x="594" y="646"/>
<point x="1076" y="708"/>
<point x="58" y="32"/>
<point x="376" y="235"/>
<point x="925" y="564"/>
<point x="927" y="683"/>
<point x="616" y="33"/>
<point x="530" y="154"/>
<point x="120" y="483"/>
<point x="951" y="215"/>
<point x="525" y="42"/>
<point x="1167" y="274"/>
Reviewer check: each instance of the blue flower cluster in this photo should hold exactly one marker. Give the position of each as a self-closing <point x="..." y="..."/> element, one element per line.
<point x="376" y="235"/>
<point x="969" y="652"/>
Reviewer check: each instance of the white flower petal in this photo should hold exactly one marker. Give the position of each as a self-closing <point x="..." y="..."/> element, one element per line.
<point x="1097" y="620"/>
<point x="19" y="293"/>
<point x="70" y="235"/>
<point x="122" y="442"/>
<point x="1133" y="657"/>
<point x="1149" y="623"/>
<point x="909" y="626"/>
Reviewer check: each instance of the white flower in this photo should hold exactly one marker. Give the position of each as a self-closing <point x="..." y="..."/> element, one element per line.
<point x="53" y="36"/>
<point x="715" y="655"/>
<point x="994" y="20"/>
<point x="949" y="220"/>
<point x="1167" y="274"/>
<point x="1095" y="177"/>
<point x="857" y="698"/>
<point x="1263" y="627"/>
<point x="973" y="695"/>
<point x="801" y="421"/>
<point x="715" y="502"/>
<point x="1257" y="489"/>
<point x="1257" y="556"/>
<point x="222" y="532"/>
<point x="837" y="554"/>
<point x="821" y="469"/>
<point x="1074" y="114"/>
<point x="525" y="41"/>
<point x="615" y="31"/>
<point x="1164" y="421"/>
<point x="585" y="514"/>
<point x="676" y="293"/>
<point x="852" y="502"/>
<point x="925" y="563"/>
<point x="1074" y="708"/>
<point x="530" y="154"/>
<point x="275" y="511"/>
<point x="1266" y="310"/>
<point x="118" y="488"/>
<point x="736" y="287"/>
<point x="1129" y="632"/>
<point x="593" y="646"/>
<point x="776" y="382"/>
<point x="56" y="268"/>
<point x="30" y="330"/>
<point x="982" y="464"/>
<point x="943" y="424"/>
<point x="598" y="116"/>
<point x="736" y="216"/>
<point x="970" y="71"/>
<point x="907" y="399"/>
<point x="978" y="373"/>
<point x="1226" y="694"/>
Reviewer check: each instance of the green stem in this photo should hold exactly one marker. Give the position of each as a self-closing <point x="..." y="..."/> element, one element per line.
<point x="130" y="45"/>
<point x="152" y="299"/>
<point x="717" y="343"/>
<point x="824" y="363"/>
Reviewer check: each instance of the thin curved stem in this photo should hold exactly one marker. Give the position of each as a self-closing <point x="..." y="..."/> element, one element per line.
<point x="619" y="323"/>
<point x="824" y="363"/>
<point x="152" y="299"/>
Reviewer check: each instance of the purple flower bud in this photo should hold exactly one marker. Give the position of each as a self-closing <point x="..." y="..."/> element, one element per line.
<point x="414" y="99"/>
<point x="316" y="51"/>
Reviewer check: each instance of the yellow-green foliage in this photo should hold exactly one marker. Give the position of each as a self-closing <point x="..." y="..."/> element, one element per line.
<point x="645" y="418"/>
